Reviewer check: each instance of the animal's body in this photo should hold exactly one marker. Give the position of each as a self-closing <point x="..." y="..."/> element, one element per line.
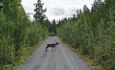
<point x="53" y="45"/>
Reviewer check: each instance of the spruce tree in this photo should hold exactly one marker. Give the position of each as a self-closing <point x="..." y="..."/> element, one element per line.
<point x="39" y="12"/>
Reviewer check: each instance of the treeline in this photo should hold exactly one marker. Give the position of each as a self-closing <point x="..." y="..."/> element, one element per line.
<point x="17" y="33"/>
<point x="52" y="27"/>
<point x="93" y="32"/>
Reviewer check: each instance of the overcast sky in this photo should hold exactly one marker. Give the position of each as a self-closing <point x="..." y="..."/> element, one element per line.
<point x="57" y="9"/>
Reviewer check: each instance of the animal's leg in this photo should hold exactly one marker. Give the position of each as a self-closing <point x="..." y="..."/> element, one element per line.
<point x="46" y="48"/>
<point x="52" y="48"/>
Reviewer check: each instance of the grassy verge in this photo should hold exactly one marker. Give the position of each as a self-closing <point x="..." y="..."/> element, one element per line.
<point x="24" y="54"/>
<point x="86" y="59"/>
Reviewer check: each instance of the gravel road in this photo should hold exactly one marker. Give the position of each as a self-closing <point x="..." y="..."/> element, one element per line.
<point x="60" y="59"/>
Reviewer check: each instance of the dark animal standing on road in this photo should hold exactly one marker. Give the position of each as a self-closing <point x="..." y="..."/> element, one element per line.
<point x="53" y="45"/>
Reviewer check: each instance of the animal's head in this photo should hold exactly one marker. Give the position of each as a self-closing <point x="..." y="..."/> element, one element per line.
<point x="57" y="42"/>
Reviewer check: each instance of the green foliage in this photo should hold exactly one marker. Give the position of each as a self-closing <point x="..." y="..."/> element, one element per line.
<point x="34" y="33"/>
<point x="52" y="27"/>
<point x="92" y="32"/>
<point x="39" y="12"/>
<point x="17" y="34"/>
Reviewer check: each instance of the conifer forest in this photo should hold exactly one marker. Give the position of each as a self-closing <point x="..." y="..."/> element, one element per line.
<point x="91" y="31"/>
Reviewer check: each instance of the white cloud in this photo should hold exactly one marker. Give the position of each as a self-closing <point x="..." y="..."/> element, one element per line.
<point x="57" y="9"/>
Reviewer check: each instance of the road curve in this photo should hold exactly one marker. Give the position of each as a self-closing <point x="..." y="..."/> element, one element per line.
<point x="59" y="59"/>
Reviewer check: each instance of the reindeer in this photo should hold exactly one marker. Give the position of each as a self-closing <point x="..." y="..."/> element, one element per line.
<point x="53" y="45"/>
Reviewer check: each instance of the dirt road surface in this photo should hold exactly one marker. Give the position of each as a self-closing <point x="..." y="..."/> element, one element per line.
<point x="60" y="59"/>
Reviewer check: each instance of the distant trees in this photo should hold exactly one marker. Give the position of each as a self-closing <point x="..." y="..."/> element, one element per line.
<point x="53" y="27"/>
<point x="92" y="32"/>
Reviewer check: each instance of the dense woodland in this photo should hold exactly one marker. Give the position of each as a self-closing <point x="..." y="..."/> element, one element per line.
<point x="17" y="33"/>
<point x="92" y="32"/>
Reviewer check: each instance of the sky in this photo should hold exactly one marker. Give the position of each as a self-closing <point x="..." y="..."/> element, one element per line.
<point x="57" y="9"/>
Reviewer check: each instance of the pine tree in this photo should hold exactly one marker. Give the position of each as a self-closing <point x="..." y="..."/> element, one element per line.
<point x="39" y="12"/>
